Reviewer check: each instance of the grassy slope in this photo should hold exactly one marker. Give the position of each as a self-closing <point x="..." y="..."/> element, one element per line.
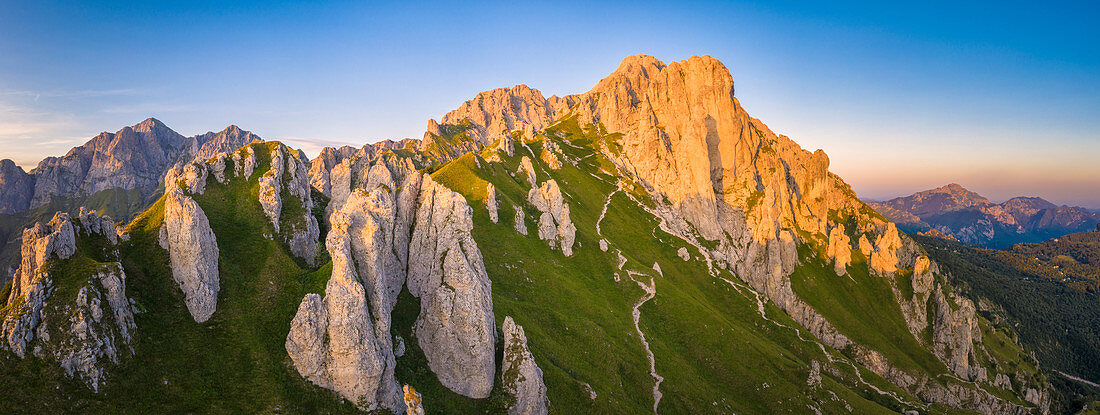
<point x="712" y="347"/>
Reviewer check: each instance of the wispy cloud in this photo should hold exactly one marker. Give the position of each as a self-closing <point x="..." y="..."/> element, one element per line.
<point x="148" y="108"/>
<point x="81" y="93"/>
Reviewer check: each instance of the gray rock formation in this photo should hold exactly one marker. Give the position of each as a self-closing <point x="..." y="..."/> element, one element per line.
<point x="839" y="249"/>
<point x="193" y="251"/>
<point x="333" y="342"/>
<point x="491" y="202"/>
<point x="97" y="330"/>
<point x="520" y="221"/>
<point x="95" y="326"/>
<point x="369" y="246"/>
<point x="527" y="170"/>
<point x="92" y="223"/>
<point x="555" y="225"/>
<point x="520" y="375"/>
<point x="289" y="172"/>
<point x="40" y="243"/>
<point x="455" y="328"/>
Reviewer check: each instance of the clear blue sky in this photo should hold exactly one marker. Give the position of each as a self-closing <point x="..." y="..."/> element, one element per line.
<point x="1002" y="98"/>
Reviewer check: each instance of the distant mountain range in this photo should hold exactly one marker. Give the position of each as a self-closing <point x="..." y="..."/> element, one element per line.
<point x="118" y="174"/>
<point x="971" y="218"/>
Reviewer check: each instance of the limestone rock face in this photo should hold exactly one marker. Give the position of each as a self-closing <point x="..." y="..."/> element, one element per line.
<point x="16" y="188"/>
<point x="527" y="170"/>
<point x="95" y="326"/>
<point x="520" y="222"/>
<point x="289" y="172"/>
<point x="193" y="251"/>
<point x="244" y="162"/>
<point x="884" y="257"/>
<point x="549" y="155"/>
<point x="190" y="177"/>
<point x="491" y="202"/>
<point x="40" y="243"/>
<point x="455" y="328"/>
<point x="954" y="332"/>
<point x="491" y="115"/>
<point x="839" y="249"/>
<point x="333" y="342"/>
<point x="320" y="169"/>
<point x="555" y="226"/>
<point x="98" y="330"/>
<point x="369" y="240"/>
<point x="520" y="374"/>
<point x="92" y="223"/>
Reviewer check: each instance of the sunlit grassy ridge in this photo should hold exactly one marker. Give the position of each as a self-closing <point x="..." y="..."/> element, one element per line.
<point x="712" y="347"/>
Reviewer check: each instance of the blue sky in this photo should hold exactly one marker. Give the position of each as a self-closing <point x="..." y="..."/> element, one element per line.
<point x="1002" y="98"/>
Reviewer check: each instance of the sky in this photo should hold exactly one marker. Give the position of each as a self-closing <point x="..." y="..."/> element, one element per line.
<point x="1001" y="97"/>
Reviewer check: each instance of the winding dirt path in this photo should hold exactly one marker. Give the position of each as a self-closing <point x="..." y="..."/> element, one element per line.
<point x="650" y="292"/>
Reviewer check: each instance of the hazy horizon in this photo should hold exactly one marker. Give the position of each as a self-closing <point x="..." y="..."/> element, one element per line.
<point x="902" y="98"/>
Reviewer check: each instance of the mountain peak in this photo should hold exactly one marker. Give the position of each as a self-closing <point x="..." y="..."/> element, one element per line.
<point x="232" y="129"/>
<point x="149" y="125"/>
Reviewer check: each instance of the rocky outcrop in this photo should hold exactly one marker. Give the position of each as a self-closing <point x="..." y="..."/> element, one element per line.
<point x="193" y="252"/>
<point x="839" y="249"/>
<point x="96" y="327"/>
<point x="884" y="256"/>
<point x="527" y="170"/>
<point x="92" y="223"/>
<point x="550" y="154"/>
<point x="369" y="246"/>
<point x="491" y="115"/>
<point x="520" y="375"/>
<point x="320" y="168"/>
<point x="40" y="243"/>
<point x="333" y="342"/>
<point x="289" y="173"/>
<point x="555" y="225"/>
<point x="190" y="177"/>
<point x="520" y="221"/>
<point x="455" y="328"/>
<point x="491" y="202"/>
<point x="83" y="334"/>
